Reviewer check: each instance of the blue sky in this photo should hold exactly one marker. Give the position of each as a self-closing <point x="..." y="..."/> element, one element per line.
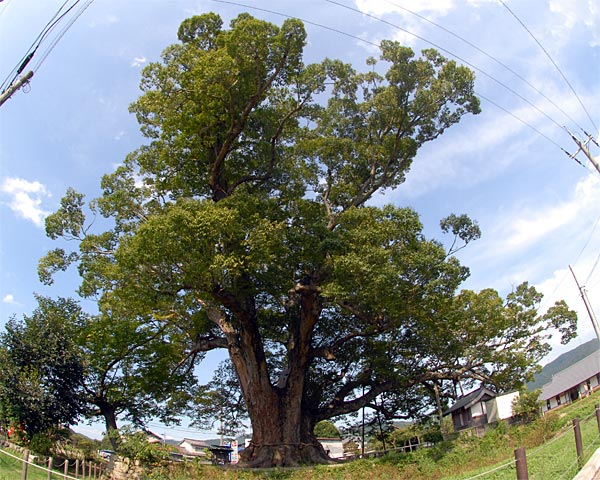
<point x="539" y="210"/>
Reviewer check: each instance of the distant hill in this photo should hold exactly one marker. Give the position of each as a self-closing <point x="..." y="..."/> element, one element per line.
<point x="563" y="361"/>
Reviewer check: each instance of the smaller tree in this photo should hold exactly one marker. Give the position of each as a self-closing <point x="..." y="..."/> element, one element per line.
<point x="41" y="379"/>
<point x="527" y="407"/>
<point x="134" y="446"/>
<point x="221" y="401"/>
<point x="326" y="429"/>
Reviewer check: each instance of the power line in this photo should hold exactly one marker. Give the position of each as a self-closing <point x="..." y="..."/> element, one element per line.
<point x="9" y="86"/>
<point x="553" y="63"/>
<point x="523" y="122"/>
<point x="181" y="429"/>
<point x="360" y="39"/>
<point x="4" y="7"/>
<point x="593" y="268"/>
<point x="34" y="46"/>
<point x="62" y="33"/>
<point x="448" y="52"/>
<point x="491" y="57"/>
<point x="308" y="22"/>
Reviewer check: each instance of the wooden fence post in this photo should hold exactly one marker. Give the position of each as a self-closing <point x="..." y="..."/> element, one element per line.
<point x="521" y="460"/>
<point x="25" y="460"/>
<point x="76" y="468"/>
<point x="578" y="442"/>
<point x="66" y="467"/>
<point x="90" y="470"/>
<point x="598" y="416"/>
<point x="50" y="462"/>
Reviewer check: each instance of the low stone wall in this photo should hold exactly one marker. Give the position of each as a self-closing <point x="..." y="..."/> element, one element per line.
<point x="124" y="470"/>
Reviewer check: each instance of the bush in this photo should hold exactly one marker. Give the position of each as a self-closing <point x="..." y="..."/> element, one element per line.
<point x="135" y="447"/>
<point x="42" y="444"/>
<point x="526" y="407"/>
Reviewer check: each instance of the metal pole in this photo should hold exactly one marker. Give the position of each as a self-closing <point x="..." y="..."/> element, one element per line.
<point x="578" y="442"/>
<point x="521" y="460"/>
<point x="587" y="305"/>
<point x="15" y="86"/>
<point x="583" y="148"/>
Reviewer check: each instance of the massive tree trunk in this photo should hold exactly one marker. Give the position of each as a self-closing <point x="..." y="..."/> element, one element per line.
<point x="281" y="436"/>
<point x="282" y="433"/>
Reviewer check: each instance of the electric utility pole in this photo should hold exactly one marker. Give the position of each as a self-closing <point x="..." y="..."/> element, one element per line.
<point x="587" y="304"/>
<point x="15" y="86"/>
<point x="583" y="147"/>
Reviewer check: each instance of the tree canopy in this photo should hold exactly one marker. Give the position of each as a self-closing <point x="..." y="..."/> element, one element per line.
<point x="41" y="379"/>
<point x="245" y="224"/>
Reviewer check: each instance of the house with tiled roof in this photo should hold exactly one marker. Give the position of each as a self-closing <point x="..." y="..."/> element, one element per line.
<point x="193" y="448"/>
<point x="574" y="382"/>
<point x="480" y="408"/>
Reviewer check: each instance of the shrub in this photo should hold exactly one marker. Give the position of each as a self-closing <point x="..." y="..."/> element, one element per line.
<point x="42" y="444"/>
<point x="526" y="407"/>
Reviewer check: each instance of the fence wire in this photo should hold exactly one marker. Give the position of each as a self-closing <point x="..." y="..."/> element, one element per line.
<point x="54" y="472"/>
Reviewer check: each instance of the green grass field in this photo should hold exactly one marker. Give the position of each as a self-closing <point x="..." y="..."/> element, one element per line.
<point x="11" y="468"/>
<point x="549" y="442"/>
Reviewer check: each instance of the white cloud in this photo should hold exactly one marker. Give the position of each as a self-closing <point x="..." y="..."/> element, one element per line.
<point x="525" y="231"/>
<point x="9" y="298"/>
<point x="108" y="19"/>
<point x="378" y="7"/>
<point x="138" y="61"/>
<point x="26" y="199"/>
<point x="526" y="228"/>
<point x="574" y="15"/>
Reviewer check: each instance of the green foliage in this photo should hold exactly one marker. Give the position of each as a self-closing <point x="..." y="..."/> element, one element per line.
<point x="41" y="444"/>
<point x="88" y="446"/>
<point x="326" y="429"/>
<point x="134" y="445"/>
<point x="41" y="380"/>
<point x="526" y="406"/>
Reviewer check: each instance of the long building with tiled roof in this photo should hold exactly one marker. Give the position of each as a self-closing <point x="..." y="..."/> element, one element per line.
<point x="572" y="383"/>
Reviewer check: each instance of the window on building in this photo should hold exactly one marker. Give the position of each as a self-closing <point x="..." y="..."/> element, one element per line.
<point x="477" y="410"/>
<point x="558" y="399"/>
<point x="548" y="405"/>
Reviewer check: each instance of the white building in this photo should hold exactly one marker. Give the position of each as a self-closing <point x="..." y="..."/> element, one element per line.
<point x="480" y="408"/>
<point x="193" y="448"/>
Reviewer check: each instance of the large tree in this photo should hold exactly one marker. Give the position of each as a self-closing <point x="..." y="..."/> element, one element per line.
<point x="245" y="219"/>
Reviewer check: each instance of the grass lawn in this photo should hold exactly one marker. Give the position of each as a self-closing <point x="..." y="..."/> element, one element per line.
<point x="550" y="445"/>
<point x="11" y="468"/>
<point x="549" y="442"/>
